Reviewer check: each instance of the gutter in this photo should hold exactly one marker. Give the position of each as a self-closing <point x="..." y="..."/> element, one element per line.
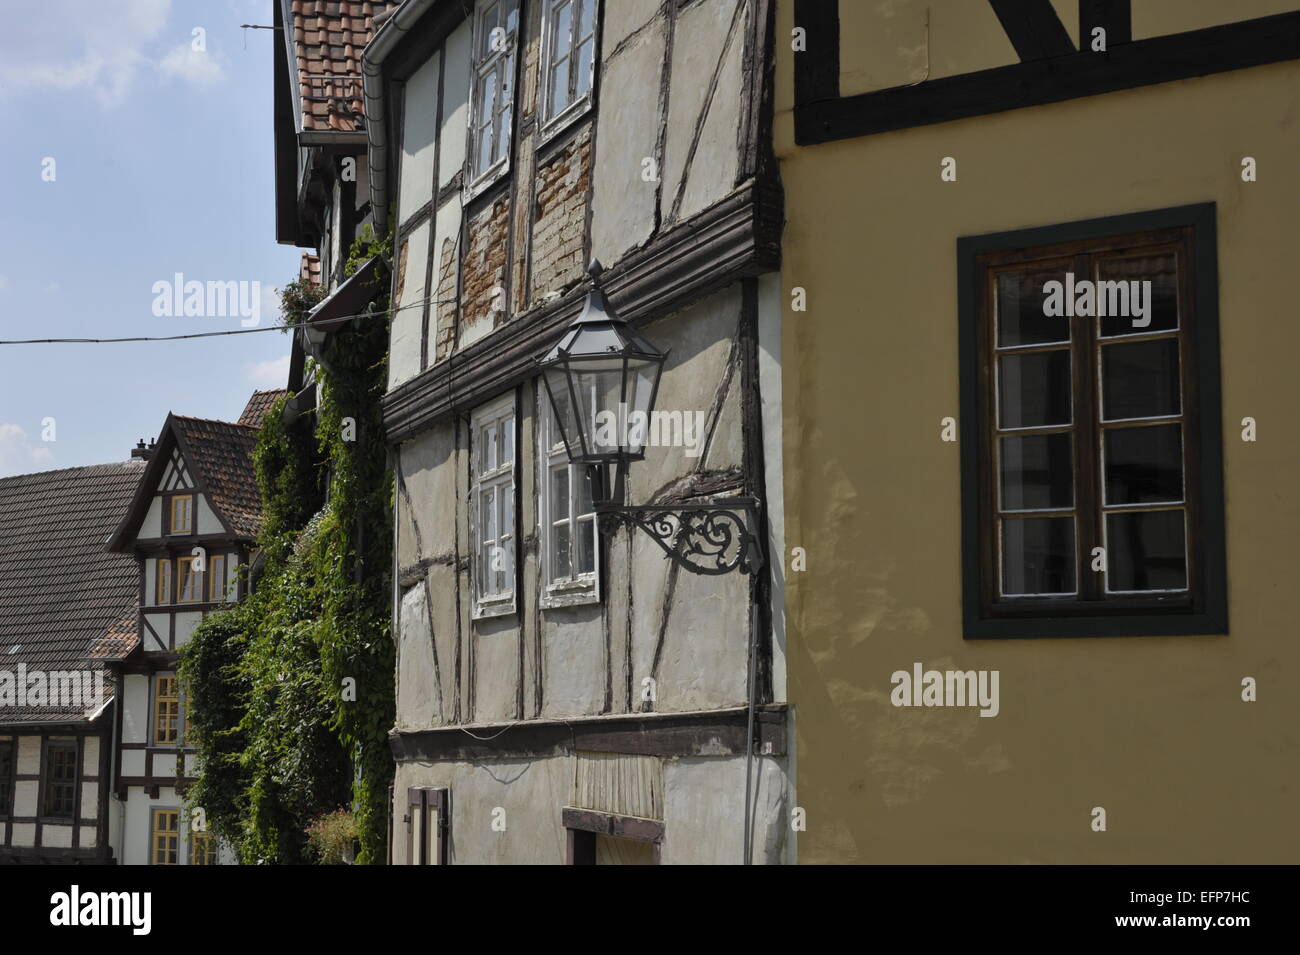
<point x="386" y="38"/>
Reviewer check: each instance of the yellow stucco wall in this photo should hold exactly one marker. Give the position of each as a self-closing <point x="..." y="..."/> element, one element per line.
<point x="1151" y="729"/>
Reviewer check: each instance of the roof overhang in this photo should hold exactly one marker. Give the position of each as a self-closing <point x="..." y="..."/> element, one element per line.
<point x="350" y="298"/>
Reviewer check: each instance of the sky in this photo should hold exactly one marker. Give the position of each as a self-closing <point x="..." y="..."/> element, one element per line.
<point x="162" y="163"/>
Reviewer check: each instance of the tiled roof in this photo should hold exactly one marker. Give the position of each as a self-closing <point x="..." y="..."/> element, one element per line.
<point x="328" y="39"/>
<point x="259" y="405"/>
<point x="309" y="269"/>
<point x="120" y="639"/>
<point x="60" y="591"/>
<point x="222" y="453"/>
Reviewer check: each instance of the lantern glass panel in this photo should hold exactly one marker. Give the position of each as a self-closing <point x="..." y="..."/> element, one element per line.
<point x="557" y="387"/>
<point x="599" y="386"/>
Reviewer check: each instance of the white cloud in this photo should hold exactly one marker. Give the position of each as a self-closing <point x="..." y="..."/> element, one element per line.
<point x="72" y="44"/>
<point x="18" y="456"/>
<point x="186" y="63"/>
<point x="273" y="373"/>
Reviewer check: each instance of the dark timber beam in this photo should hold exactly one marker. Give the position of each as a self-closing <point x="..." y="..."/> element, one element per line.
<point x="1033" y="28"/>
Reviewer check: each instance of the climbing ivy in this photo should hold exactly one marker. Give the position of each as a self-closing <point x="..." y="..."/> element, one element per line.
<point x="291" y="691"/>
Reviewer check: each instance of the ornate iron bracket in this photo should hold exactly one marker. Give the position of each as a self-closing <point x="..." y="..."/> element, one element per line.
<point x="702" y="538"/>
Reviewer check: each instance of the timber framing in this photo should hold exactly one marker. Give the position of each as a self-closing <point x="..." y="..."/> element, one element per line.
<point x="1047" y="73"/>
<point x="737" y="237"/>
<point x="703" y="733"/>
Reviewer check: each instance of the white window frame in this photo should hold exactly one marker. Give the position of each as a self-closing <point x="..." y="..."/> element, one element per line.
<point x="504" y="64"/>
<point x="500" y="478"/>
<point x="553" y="123"/>
<point x="551" y="454"/>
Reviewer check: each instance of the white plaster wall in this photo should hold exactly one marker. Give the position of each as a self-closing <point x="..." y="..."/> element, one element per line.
<point x="133" y="762"/>
<point x="89" y="801"/>
<point x="137" y="832"/>
<point x="26" y="792"/>
<point x="408" y="321"/>
<point x="186" y="624"/>
<point x="455" y="104"/>
<point x="150" y="582"/>
<point x="420" y="115"/>
<point x="164" y="764"/>
<point x="208" y="522"/>
<point x="152" y="526"/>
<point x="698" y="41"/>
<point x="703" y="809"/>
<point x="623" y="202"/>
<point x="161" y="623"/>
<point x="135" y="715"/>
<point x="90" y="755"/>
<point x="56" y="837"/>
<point x="29" y="755"/>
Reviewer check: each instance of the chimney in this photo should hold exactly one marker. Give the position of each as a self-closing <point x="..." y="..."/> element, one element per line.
<point x="141" y="452"/>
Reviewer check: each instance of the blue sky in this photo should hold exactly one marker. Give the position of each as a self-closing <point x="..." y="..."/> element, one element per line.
<point x="163" y="163"/>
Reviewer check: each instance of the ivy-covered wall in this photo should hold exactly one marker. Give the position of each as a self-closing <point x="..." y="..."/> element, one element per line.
<point x="291" y="692"/>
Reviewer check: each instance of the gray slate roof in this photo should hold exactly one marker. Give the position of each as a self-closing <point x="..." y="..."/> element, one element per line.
<point x="61" y="592"/>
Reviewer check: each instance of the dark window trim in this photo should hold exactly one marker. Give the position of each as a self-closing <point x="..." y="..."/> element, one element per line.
<point x="822" y="115"/>
<point x="421" y="802"/>
<point x="6" y="806"/>
<point x="47" y="780"/>
<point x="582" y="826"/>
<point x="1212" y="615"/>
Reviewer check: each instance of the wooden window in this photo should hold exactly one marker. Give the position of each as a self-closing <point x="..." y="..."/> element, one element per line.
<point x="164" y="837"/>
<point x="182" y="514"/>
<point x="166" y="710"/>
<point x="496" y="29"/>
<point x="189" y="581"/>
<point x="570" y="539"/>
<point x="569" y="59"/>
<point x="163" y="581"/>
<point x="428" y="824"/>
<point x="1097" y="473"/>
<point x="7" y="747"/>
<point x="60" y="779"/>
<point x="492" y="503"/>
<point x="216" y="575"/>
<point x="603" y="838"/>
<point x="203" y="848"/>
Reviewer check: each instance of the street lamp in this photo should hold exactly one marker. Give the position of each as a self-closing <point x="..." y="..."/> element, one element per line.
<point x="602" y="379"/>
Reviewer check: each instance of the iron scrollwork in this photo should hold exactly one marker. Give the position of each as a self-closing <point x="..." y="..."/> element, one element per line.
<point x="703" y="538"/>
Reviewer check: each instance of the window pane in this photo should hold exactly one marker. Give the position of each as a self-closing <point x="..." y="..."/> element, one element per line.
<point x="490" y="22"/>
<point x="587" y="18"/>
<point x="584" y="505"/>
<point x="508" y="440"/>
<point x="586" y="533"/>
<point x="1034" y="390"/>
<point x="1038" y="555"/>
<point x="512" y="15"/>
<point x="584" y="66"/>
<point x="1037" y="471"/>
<point x="487" y="515"/>
<point x="1161" y="304"/>
<point x="1145" y="551"/>
<point x="559" y="87"/>
<point x="1020" y="310"/>
<point x="488" y="437"/>
<point x="1144" y="465"/>
<point x="562" y="38"/>
<point x="561" y="566"/>
<point x="560" y="493"/>
<point x="1140" y="379"/>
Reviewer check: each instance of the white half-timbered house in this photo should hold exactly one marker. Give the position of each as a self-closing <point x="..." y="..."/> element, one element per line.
<point x="565" y="694"/>
<point x="191" y="527"/>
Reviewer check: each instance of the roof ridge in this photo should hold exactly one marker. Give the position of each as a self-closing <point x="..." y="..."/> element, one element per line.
<point x="233" y="424"/>
<point x="130" y="462"/>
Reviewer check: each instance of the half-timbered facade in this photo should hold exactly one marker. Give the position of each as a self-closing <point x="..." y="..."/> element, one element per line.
<point x="66" y="606"/>
<point x="190" y="528"/>
<point x="566" y="694"/>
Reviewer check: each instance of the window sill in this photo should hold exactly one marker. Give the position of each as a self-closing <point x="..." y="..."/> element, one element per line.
<point x="486" y="181"/>
<point x="1158" y="623"/>
<point x="552" y="130"/>
<point x="488" y="611"/>
<point x="570" y="594"/>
